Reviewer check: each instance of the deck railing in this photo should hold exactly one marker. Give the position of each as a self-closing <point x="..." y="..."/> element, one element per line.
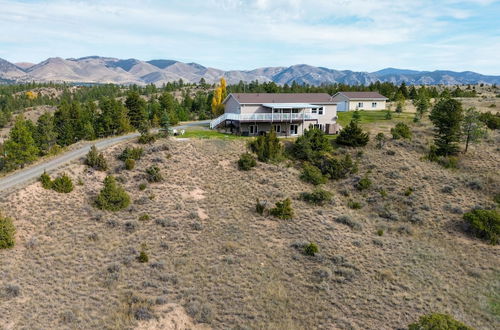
<point x="263" y="117"/>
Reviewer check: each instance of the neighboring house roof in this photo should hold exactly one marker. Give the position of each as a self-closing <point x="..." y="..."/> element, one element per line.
<point x="261" y="98"/>
<point x="362" y="95"/>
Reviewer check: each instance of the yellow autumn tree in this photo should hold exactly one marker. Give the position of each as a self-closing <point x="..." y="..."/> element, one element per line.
<point x="219" y="96"/>
<point x="31" y="95"/>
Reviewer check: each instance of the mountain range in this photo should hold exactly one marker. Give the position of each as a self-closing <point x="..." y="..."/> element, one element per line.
<point x="95" y="69"/>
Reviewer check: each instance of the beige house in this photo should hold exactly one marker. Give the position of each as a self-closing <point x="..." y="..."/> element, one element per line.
<point x="289" y="114"/>
<point x="351" y="101"/>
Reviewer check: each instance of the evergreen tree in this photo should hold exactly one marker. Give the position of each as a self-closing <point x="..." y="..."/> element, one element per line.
<point x="353" y="136"/>
<point x="136" y="110"/>
<point x="45" y="133"/>
<point x="267" y="147"/>
<point x="473" y="128"/>
<point x="165" y="123"/>
<point x="447" y="117"/>
<point x="112" y="197"/>
<point x="413" y="93"/>
<point x="312" y="143"/>
<point x="20" y="148"/>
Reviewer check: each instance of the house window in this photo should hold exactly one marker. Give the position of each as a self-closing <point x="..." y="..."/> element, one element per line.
<point x="314" y="110"/>
<point x="294" y="129"/>
<point x="252" y="129"/>
<point x="319" y="126"/>
<point x="320" y="111"/>
<point x="374" y="104"/>
<point x="277" y="128"/>
<point x="360" y="104"/>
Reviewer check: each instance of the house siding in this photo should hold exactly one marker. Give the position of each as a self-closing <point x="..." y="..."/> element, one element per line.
<point x="231" y="105"/>
<point x="346" y="104"/>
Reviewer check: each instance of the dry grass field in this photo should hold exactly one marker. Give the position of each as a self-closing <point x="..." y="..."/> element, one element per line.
<point x="215" y="263"/>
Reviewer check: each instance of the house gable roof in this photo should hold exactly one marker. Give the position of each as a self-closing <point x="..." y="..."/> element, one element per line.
<point x="362" y="95"/>
<point x="261" y="98"/>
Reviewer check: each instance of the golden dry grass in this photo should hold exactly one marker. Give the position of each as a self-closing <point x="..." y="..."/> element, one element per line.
<point x="229" y="267"/>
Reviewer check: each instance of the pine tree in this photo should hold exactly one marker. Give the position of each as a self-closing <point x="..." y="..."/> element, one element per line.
<point x="473" y="129"/>
<point x="447" y="117"/>
<point x="20" y="148"/>
<point x="353" y="136"/>
<point x="136" y="110"/>
<point x="112" y="197"/>
<point x="45" y="134"/>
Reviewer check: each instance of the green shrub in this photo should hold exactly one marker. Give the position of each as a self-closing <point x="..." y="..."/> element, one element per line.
<point x="143" y="186"/>
<point x="112" y="196"/>
<point x="492" y="121"/>
<point x="401" y="131"/>
<point x="260" y="207"/>
<point x="267" y="147"/>
<point x="496" y="198"/>
<point x="354" y="204"/>
<point x="46" y="181"/>
<point x="312" y="174"/>
<point x="448" y="162"/>
<point x="380" y="138"/>
<point x="318" y="197"/>
<point x="312" y="143"/>
<point x="437" y="321"/>
<point x="283" y="210"/>
<point x="364" y="183"/>
<point x="154" y="174"/>
<point x="146" y="138"/>
<point x="131" y="153"/>
<point x="484" y="224"/>
<point x="143" y="257"/>
<point x="352" y="136"/>
<point x="96" y="160"/>
<point x="336" y="168"/>
<point x="62" y="184"/>
<point x="129" y="164"/>
<point x="246" y="162"/>
<point x="7" y="232"/>
<point x="409" y="191"/>
<point x="144" y="217"/>
<point x="388" y="115"/>
<point x="383" y="193"/>
<point x="380" y="232"/>
<point x="311" y="249"/>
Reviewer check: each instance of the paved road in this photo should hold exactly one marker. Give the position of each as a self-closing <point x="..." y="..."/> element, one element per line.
<point x="19" y="178"/>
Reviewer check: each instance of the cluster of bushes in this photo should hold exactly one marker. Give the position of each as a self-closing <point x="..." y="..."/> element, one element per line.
<point x="131" y="153"/>
<point x="364" y="183"/>
<point x="401" y="131"/>
<point x="112" y="197"/>
<point x="283" y="209"/>
<point x="7" y="232"/>
<point x="61" y="184"/>
<point x="317" y="197"/>
<point x="154" y="174"/>
<point x="96" y="160"/>
<point x="353" y="136"/>
<point x="312" y="174"/>
<point x="492" y="121"/>
<point x="311" y="145"/>
<point x="438" y="321"/>
<point x="267" y="147"/>
<point x="484" y="224"/>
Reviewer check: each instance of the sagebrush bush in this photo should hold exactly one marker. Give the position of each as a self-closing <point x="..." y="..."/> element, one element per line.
<point x="129" y="164"/>
<point x="7" y="232"/>
<point x="62" y="184"/>
<point x="364" y="183"/>
<point x="46" y="181"/>
<point x="354" y="204"/>
<point x="96" y="160"/>
<point x="283" y="210"/>
<point x="401" y="131"/>
<point x="260" y="207"/>
<point x="112" y="196"/>
<point x="312" y="174"/>
<point x="484" y="224"/>
<point x="246" y="162"/>
<point x="131" y="153"/>
<point x="147" y="137"/>
<point x="267" y="147"/>
<point x="438" y="321"/>
<point x="154" y="174"/>
<point x="336" y="168"/>
<point x="143" y="186"/>
<point x="143" y="257"/>
<point x="317" y="197"/>
<point x="346" y="220"/>
<point x="311" y="249"/>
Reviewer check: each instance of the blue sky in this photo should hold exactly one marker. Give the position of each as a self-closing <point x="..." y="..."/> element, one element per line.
<point x="357" y="35"/>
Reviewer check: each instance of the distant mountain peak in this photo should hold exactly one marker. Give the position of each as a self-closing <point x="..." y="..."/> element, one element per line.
<point x="97" y="69"/>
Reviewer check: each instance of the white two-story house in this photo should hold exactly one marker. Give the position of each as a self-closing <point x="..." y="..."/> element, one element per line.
<point x="289" y="114"/>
